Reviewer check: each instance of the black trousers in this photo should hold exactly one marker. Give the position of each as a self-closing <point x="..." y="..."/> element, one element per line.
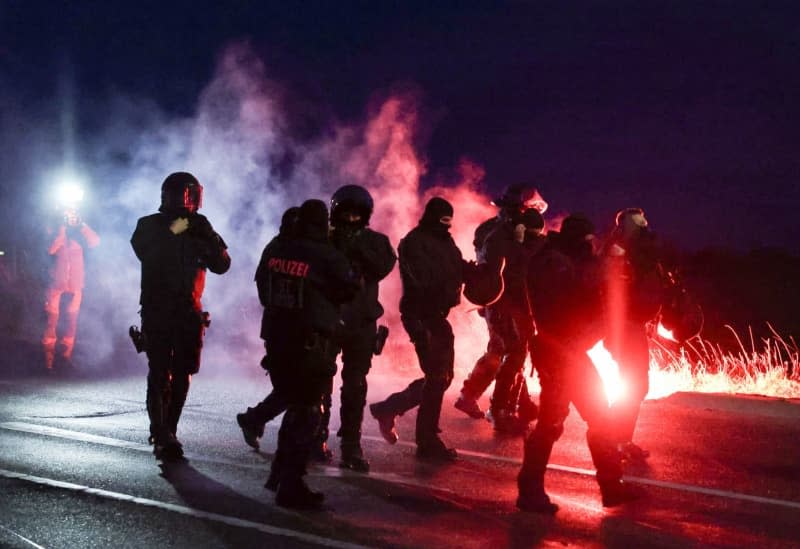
<point x="357" y="346"/>
<point x="174" y="343"/>
<point x="515" y="331"/>
<point x="433" y="342"/>
<point x="300" y="376"/>
<point x="567" y="375"/>
<point x="274" y="404"/>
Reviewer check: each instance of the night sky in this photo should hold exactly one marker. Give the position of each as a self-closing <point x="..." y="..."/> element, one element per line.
<point x="687" y="109"/>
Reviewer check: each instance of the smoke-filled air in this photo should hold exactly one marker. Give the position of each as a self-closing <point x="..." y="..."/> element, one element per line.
<point x="239" y="145"/>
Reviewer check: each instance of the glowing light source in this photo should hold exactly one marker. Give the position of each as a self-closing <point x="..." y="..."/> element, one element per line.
<point x="608" y="369"/>
<point x="69" y="192"/>
<point x="66" y="187"/>
<point x="664" y="333"/>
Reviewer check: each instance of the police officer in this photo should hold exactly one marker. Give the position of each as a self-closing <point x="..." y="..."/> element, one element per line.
<point x="175" y="246"/>
<point x="372" y="258"/>
<point x="511" y="318"/>
<point x="431" y="269"/>
<point x="253" y="420"/>
<point x="513" y="202"/>
<point x="635" y="291"/>
<point x="565" y="283"/>
<point x="306" y="280"/>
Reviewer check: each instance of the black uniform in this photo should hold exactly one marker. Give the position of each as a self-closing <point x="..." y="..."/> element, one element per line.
<point x="305" y="282"/>
<point x="431" y="268"/>
<point x="173" y="322"/>
<point x="565" y="283"/>
<point x="511" y="326"/>
<point x="372" y="258"/>
<point x="253" y="420"/>
<point x="635" y="291"/>
<point x="511" y="320"/>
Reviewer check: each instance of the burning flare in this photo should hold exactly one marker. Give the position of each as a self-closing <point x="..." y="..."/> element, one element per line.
<point x="608" y="369"/>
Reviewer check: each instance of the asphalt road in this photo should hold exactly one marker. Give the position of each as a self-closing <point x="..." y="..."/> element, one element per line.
<point x="76" y="471"/>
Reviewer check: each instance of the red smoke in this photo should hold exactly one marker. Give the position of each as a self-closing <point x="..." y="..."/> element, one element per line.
<point x="390" y="167"/>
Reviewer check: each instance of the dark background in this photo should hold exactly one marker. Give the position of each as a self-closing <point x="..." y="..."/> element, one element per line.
<point x="687" y="109"/>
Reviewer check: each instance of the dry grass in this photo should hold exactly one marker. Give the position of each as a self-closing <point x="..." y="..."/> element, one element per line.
<point x="771" y="369"/>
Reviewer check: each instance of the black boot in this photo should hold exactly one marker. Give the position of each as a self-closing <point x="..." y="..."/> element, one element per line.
<point x="273" y="480"/>
<point x="526" y="408"/>
<point x="619" y="493"/>
<point x="506" y="422"/>
<point x="251" y="433"/>
<point x="168" y="448"/>
<point x="435" y="450"/>
<point x="353" y="458"/>
<point x="535" y="500"/>
<point x="386" y="422"/>
<point x="469" y="406"/>
<point x="297" y="495"/>
<point x="631" y="453"/>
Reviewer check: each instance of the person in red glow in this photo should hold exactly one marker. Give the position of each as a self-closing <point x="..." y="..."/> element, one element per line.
<point x="634" y="293"/>
<point x="66" y="276"/>
<point x="565" y="282"/>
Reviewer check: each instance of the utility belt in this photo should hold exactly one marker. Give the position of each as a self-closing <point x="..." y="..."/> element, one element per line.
<point x="139" y="336"/>
<point x="318" y="356"/>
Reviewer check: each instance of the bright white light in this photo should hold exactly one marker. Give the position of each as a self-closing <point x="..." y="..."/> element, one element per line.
<point x="68" y="188"/>
<point x="69" y="194"/>
<point x="608" y="369"/>
<point x="663" y="332"/>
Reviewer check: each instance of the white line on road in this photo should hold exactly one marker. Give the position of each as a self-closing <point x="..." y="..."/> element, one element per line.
<point x="23" y="538"/>
<point x="224" y="519"/>
<point x="332" y="472"/>
<point x="391" y="478"/>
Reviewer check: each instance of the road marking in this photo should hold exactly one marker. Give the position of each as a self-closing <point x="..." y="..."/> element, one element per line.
<point x="638" y="480"/>
<point x="224" y="519"/>
<point x="72" y="435"/>
<point x="23" y="538"/>
<point x="391" y="477"/>
<point x="319" y="471"/>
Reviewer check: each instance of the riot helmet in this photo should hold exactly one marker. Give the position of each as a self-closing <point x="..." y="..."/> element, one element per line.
<point x="181" y="191"/>
<point x="351" y="205"/>
<point x="518" y="196"/>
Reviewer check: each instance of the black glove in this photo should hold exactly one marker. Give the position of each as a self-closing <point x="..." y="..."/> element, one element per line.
<point x="200" y="227"/>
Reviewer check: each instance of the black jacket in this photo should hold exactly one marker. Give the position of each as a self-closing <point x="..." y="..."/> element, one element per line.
<point x="174" y="266"/>
<point x="431" y="269"/>
<point x="500" y="245"/>
<point x="636" y="285"/>
<point x="372" y="258"/>
<point x="567" y="290"/>
<point x="482" y="232"/>
<point x="302" y="282"/>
